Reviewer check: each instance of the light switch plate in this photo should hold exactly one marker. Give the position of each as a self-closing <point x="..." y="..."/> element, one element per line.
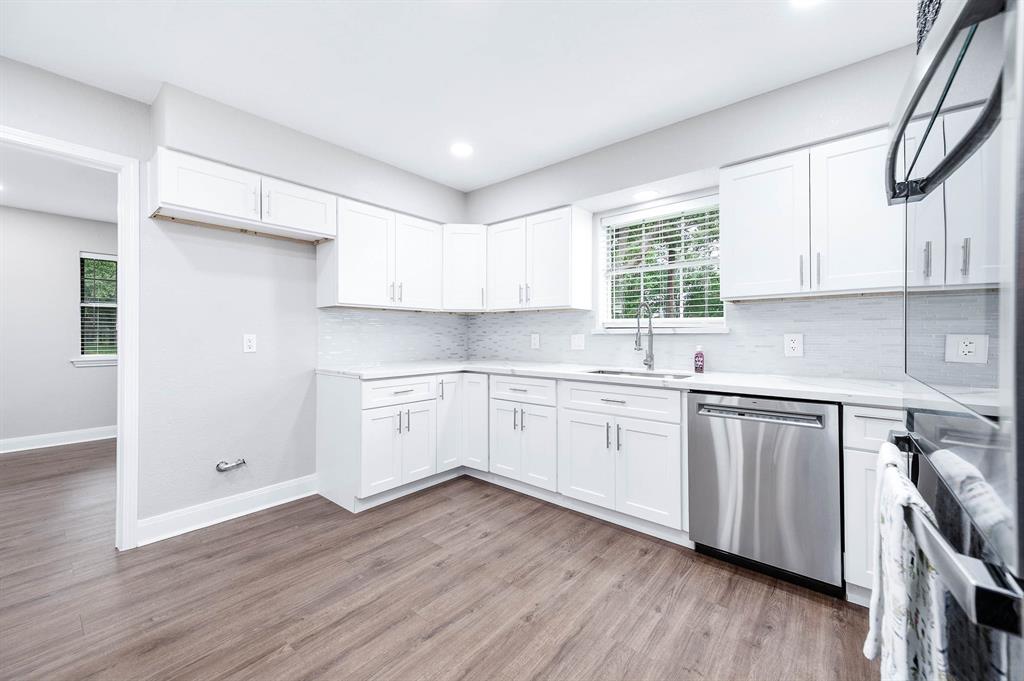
<point x="576" y="341"/>
<point x="534" y="341"/>
<point x="793" y="344"/>
<point x="967" y="348"/>
<point x="249" y="342"/>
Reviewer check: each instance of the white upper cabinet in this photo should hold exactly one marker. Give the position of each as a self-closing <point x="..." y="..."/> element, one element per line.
<point x="417" y="263"/>
<point x="506" y="265"/>
<point x="972" y="254"/>
<point x="926" y="219"/>
<point x="464" y="279"/>
<point x="856" y="237"/>
<point x="292" y="205"/>
<point x="190" y="188"/>
<point x="541" y="261"/>
<point x="190" y="182"/>
<point x="764" y="227"/>
<point x="380" y="259"/>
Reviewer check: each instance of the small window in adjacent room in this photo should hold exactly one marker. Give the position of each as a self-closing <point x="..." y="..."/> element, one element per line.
<point x="667" y="256"/>
<point x="98" y="305"/>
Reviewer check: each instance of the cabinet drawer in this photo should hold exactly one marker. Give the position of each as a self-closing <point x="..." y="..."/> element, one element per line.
<point x="521" y="389"/>
<point x="389" y="391"/>
<point x="868" y="427"/>
<point x="655" y="404"/>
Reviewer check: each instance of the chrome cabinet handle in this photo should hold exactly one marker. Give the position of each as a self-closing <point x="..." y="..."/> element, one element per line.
<point x="801" y="270"/>
<point x="520" y="294"/>
<point x="255" y="201"/>
<point x="927" y="259"/>
<point x="442" y="390"/>
<point x="391" y="294"/>
<point x="402" y="392"/>
<point x="607" y="435"/>
<point x="527" y="294"/>
<point x="399" y="421"/>
<point x="400" y="291"/>
<point x="515" y="419"/>
<point x="481" y="296"/>
<point x="268" y="203"/>
<point x="965" y="250"/>
<point x="522" y="419"/>
<point x="819" y="268"/>
<point x="518" y="390"/>
<point x="608" y="399"/>
<point x="224" y="466"/>
<point x="618" y="438"/>
<point x="408" y="421"/>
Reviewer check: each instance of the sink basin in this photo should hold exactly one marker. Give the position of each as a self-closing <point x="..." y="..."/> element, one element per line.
<point x="644" y="374"/>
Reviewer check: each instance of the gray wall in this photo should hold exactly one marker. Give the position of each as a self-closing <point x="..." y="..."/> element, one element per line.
<point x="40" y="390"/>
<point x="189" y="122"/>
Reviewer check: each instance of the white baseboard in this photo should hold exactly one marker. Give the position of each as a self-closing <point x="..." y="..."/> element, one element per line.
<point x="209" y="513"/>
<point x="67" y="437"/>
<point x="858" y="595"/>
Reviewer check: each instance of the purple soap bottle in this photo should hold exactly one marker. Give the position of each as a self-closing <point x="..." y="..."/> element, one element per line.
<point x="698" y="360"/>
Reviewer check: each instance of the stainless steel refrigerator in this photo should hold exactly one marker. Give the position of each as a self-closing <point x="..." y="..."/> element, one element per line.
<point x="954" y="168"/>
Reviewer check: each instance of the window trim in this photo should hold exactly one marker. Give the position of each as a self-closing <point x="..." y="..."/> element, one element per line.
<point x="632" y="214"/>
<point x="81" y="360"/>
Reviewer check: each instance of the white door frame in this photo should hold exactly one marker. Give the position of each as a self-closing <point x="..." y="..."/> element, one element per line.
<point x="128" y="201"/>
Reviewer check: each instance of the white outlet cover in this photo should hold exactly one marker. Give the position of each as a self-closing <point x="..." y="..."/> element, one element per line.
<point x="249" y="342"/>
<point x="576" y="341"/>
<point x="967" y="348"/>
<point x="793" y="344"/>
<point x="534" y="341"/>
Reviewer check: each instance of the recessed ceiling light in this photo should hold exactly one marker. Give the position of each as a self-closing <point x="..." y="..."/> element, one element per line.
<point x="804" y="4"/>
<point x="461" y="150"/>
<point x="646" y="195"/>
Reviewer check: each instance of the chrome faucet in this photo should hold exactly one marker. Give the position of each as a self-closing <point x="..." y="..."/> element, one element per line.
<point x="649" y="357"/>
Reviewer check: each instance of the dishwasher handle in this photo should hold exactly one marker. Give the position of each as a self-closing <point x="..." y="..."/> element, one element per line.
<point x="761" y="415"/>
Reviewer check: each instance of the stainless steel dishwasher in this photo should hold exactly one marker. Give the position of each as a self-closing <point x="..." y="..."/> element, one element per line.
<point x="764" y="484"/>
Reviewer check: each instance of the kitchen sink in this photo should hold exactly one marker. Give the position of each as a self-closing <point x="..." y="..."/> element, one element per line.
<point x="644" y="374"/>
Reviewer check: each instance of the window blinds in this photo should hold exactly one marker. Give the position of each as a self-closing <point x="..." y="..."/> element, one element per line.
<point x="670" y="261"/>
<point x="98" y="291"/>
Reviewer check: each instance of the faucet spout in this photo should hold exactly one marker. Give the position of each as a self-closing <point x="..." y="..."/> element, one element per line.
<point x="649" y="355"/>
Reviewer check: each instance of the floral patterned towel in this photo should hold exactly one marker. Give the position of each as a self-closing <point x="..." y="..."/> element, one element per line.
<point x="906" y="622"/>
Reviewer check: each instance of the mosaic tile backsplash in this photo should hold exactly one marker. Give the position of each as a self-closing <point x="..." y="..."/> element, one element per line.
<point x="854" y="337"/>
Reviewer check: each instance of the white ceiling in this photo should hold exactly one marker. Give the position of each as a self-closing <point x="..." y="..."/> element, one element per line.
<point x="526" y="83"/>
<point x="35" y="181"/>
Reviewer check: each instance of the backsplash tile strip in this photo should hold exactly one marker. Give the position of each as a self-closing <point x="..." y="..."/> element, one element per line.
<point x="358" y="337"/>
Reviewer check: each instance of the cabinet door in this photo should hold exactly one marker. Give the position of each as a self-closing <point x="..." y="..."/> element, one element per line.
<point x="302" y="208"/>
<point x="549" y="259"/>
<point x="505" y="443"/>
<point x="204" y="185"/>
<point x="419" y="440"/>
<point x="859" y="514"/>
<point x="365" y="245"/>
<point x="465" y="267"/>
<point x="506" y="264"/>
<point x="586" y="456"/>
<point x="926" y="220"/>
<point x="538" y="426"/>
<point x="474" y="421"/>
<point x="381" y="450"/>
<point x="764" y="226"/>
<point x="856" y="237"/>
<point x="450" y="437"/>
<point x="972" y="204"/>
<point x="417" y="263"/>
<point x="648" y="477"/>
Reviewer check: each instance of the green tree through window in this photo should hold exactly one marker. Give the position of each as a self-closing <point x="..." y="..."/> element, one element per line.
<point x="98" y="305"/>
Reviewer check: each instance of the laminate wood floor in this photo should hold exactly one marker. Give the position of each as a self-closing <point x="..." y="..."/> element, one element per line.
<point x="462" y="581"/>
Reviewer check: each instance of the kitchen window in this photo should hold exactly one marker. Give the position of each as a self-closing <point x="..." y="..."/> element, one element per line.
<point x="97" y="309"/>
<point x="669" y="257"/>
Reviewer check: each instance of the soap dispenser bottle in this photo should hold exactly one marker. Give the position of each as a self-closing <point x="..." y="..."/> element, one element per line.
<point x="698" y="360"/>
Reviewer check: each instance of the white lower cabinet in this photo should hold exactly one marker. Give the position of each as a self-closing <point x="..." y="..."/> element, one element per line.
<point x="858" y="513"/>
<point x="633" y="466"/>
<point x="399" y="445"/>
<point x="523" y="443"/>
<point x="450" y="419"/>
<point x="474" y="421"/>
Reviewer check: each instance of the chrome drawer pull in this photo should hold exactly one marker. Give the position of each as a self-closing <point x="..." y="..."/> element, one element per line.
<point x="518" y="390"/>
<point x="608" y="399"/>
<point x="402" y="392"/>
<point x="224" y="466"/>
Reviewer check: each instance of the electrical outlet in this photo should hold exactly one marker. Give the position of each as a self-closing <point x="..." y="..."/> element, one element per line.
<point x="534" y="341"/>
<point x="967" y="348"/>
<point x="793" y="344"/>
<point x="576" y="341"/>
<point x="249" y="342"/>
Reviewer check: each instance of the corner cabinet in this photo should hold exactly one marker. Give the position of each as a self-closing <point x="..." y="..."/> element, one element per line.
<point x="380" y="259"/>
<point x="464" y="267"/>
<point x="765" y="222"/>
<point x="185" y="187"/>
<point x="542" y="261"/>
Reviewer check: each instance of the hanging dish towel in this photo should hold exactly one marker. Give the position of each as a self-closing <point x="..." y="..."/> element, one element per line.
<point x="906" y="622"/>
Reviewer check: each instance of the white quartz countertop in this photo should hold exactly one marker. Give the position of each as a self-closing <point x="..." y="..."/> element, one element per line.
<point x="846" y="390"/>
